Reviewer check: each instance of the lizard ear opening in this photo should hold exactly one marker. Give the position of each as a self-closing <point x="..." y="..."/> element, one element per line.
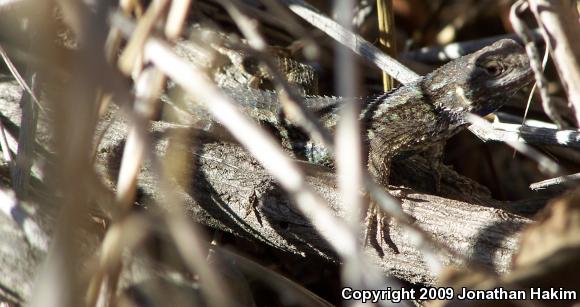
<point x="492" y="68"/>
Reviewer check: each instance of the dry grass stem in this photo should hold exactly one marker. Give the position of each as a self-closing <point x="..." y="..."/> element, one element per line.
<point x="257" y="141"/>
<point x="134" y="144"/>
<point x="545" y="164"/>
<point x="559" y="24"/>
<point x="536" y="64"/>
<point x="354" y="42"/>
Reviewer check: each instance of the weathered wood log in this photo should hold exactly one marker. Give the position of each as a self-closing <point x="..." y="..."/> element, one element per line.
<point x="229" y="190"/>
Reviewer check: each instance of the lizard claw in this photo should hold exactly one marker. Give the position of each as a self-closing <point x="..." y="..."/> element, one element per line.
<point x="378" y="230"/>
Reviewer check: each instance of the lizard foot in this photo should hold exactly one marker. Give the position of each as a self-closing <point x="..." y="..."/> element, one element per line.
<point x="378" y="230"/>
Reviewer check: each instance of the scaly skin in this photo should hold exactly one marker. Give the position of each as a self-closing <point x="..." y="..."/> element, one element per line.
<point x="412" y="118"/>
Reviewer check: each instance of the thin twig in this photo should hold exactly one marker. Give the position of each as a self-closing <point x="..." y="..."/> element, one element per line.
<point x="356" y="43"/>
<point x="123" y="236"/>
<point x="58" y="283"/>
<point x="176" y="18"/>
<point x="290" y="22"/>
<point x="558" y="22"/>
<point x="26" y="138"/>
<point x="257" y="141"/>
<point x="26" y="143"/>
<point x="555" y="182"/>
<point x="531" y="95"/>
<point x="545" y="164"/>
<point x="247" y="25"/>
<point x="349" y="154"/>
<point x="387" y="41"/>
<point x="535" y="62"/>
<point x="437" y="55"/>
<point x="502" y="132"/>
<point x="6" y="153"/>
<point x="311" y="125"/>
<point x="292" y="102"/>
<point x="386" y="202"/>
<point x="148" y="88"/>
<point x="18" y="77"/>
<point x="129" y="59"/>
<point x="296" y="111"/>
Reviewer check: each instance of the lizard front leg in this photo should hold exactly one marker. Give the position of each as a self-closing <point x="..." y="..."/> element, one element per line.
<point x="376" y="221"/>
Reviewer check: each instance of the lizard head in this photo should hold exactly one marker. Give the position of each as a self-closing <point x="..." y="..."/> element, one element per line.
<point x="482" y="81"/>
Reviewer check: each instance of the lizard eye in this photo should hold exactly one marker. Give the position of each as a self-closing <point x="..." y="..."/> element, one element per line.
<point x="492" y="68"/>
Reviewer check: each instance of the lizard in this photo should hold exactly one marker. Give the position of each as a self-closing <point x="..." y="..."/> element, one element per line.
<point x="410" y="119"/>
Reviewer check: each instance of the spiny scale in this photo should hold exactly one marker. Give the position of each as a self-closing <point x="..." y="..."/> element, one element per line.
<point x="412" y="117"/>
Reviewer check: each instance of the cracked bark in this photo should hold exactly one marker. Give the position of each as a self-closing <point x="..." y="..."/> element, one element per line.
<point x="230" y="191"/>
